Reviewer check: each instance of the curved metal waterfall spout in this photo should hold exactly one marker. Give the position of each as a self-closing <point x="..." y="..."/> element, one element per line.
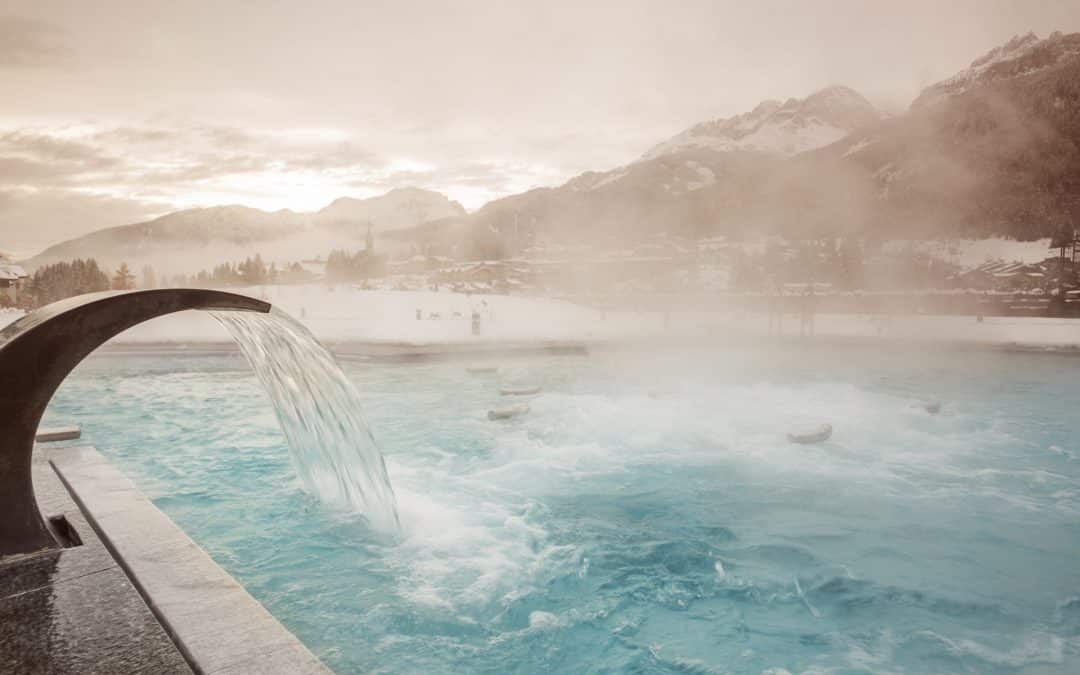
<point x="37" y="352"/>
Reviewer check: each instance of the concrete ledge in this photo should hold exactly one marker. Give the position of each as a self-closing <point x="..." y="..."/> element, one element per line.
<point x="215" y="623"/>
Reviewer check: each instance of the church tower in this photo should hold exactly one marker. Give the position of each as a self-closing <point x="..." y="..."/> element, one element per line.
<point x="370" y="241"/>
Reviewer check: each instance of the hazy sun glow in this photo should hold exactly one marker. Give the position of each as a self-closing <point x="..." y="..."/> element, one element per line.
<point x="125" y="114"/>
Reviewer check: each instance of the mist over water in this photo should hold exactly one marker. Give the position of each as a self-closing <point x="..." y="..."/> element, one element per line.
<point x="647" y="515"/>
<point x="333" y="450"/>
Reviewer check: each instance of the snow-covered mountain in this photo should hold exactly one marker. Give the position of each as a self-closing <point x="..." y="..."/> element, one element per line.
<point x="993" y="150"/>
<point x="1022" y="55"/>
<point x="997" y="152"/>
<point x="185" y="239"/>
<point x="776" y="128"/>
<point x="726" y="150"/>
<point x="706" y="177"/>
<point x="395" y="210"/>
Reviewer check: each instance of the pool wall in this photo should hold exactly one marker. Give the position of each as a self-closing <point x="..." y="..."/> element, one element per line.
<point x="215" y="623"/>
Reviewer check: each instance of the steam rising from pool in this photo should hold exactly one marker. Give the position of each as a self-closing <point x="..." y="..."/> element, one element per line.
<point x="647" y="516"/>
<point x="320" y="412"/>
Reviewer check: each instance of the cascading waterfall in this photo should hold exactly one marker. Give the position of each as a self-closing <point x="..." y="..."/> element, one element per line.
<point x="320" y="413"/>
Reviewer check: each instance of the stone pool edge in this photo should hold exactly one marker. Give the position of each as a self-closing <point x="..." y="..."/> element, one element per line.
<point x="216" y="624"/>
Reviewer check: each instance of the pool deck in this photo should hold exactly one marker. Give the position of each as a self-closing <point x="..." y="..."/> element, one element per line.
<point x="137" y="596"/>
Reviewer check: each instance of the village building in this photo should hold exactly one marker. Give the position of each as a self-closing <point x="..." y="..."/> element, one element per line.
<point x="499" y="276"/>
<point x="1004" y="276"/>
<point x="12" y="279"/>
<point x="418" y="264"/>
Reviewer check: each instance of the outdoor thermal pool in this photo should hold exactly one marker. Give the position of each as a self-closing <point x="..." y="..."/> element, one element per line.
<point x="648" y="515"/>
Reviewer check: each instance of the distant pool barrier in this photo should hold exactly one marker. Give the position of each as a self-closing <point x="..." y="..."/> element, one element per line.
<point x="520" y="391"/>
<point x="932" y="407"/>
<point x="508" y="412"/>
<point x="55" y="434"/>
<point x="811" y="435"/>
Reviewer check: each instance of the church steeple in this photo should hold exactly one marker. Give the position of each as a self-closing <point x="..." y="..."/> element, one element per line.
<point x="370" y="241"/>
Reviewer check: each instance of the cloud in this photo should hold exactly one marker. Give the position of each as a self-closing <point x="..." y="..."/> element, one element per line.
<point x="58" y="182"/>
<point x="134" y="158"/>
<point x="490" y="179"/>
<point x="192" y="164"/>
<point x="168" y="164"/>
<point x="29" y="159"/>
<point x="27" y="43"/>
<point x="49" y="147"/>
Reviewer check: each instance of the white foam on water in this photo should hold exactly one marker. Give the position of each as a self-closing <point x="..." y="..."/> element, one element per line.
<point x="719" y="567"/>
<point x="1036" y="648"/>
<point x="477" y="534"/>
<point x="874" y="443"/>
<point x="475" y="531"/>
<point x="1058" y="450"/>
<point x="543" y="620"/>
<point x="467" y="541"/>
<point x="802" y="596"/>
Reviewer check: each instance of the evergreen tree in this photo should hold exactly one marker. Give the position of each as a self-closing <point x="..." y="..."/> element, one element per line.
<point x="123" y="279"/>
<point x="65" y="279"/>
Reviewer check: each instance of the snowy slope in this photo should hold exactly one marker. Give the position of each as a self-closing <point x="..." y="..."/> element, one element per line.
<point x="788" y="128"/>
<point x="346" y="315"/>
<point x="1022" y="55"/>
<point x="395" y="210"/>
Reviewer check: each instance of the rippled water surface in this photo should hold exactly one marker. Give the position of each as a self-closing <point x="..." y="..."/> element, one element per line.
<point x="647" y="515"/>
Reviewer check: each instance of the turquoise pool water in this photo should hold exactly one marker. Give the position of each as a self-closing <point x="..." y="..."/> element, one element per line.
<point x="647" y="515"/>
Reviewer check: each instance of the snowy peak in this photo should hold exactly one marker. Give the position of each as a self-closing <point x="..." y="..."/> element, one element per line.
<point x="230" y="223"/>
<point x="776" y="128"/>
<point x="842" y="107"/>
<point x="1011" y="49"/>
<point x="1022" y="55"/>
<point x="397" y="209"/>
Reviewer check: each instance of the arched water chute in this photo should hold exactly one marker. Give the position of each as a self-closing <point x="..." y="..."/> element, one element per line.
<point x="37" y="353"/>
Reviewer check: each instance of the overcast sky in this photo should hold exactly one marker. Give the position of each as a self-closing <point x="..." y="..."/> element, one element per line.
<point x="112" y="112"/>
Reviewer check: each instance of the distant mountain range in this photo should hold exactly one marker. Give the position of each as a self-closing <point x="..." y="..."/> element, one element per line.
<point x="707" y="179"/>
<point x="216" y="233"/>
<point x="777" y="128"/>
<point x="397" y="209"/>
<point x="993" y="150"/>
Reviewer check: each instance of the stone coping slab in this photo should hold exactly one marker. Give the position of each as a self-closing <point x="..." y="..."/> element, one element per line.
<point x="215" y="623"/>
<point x="74" y="610"/>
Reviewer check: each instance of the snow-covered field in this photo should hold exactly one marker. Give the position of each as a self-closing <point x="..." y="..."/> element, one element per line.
<point x="970" y="253"/>
<point x="1003" y="331"/>
<point x="343" y="313"/>
<point x="346" y="314"/>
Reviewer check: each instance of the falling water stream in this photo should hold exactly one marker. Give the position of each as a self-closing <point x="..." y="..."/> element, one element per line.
<point x="320" y="413"/>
